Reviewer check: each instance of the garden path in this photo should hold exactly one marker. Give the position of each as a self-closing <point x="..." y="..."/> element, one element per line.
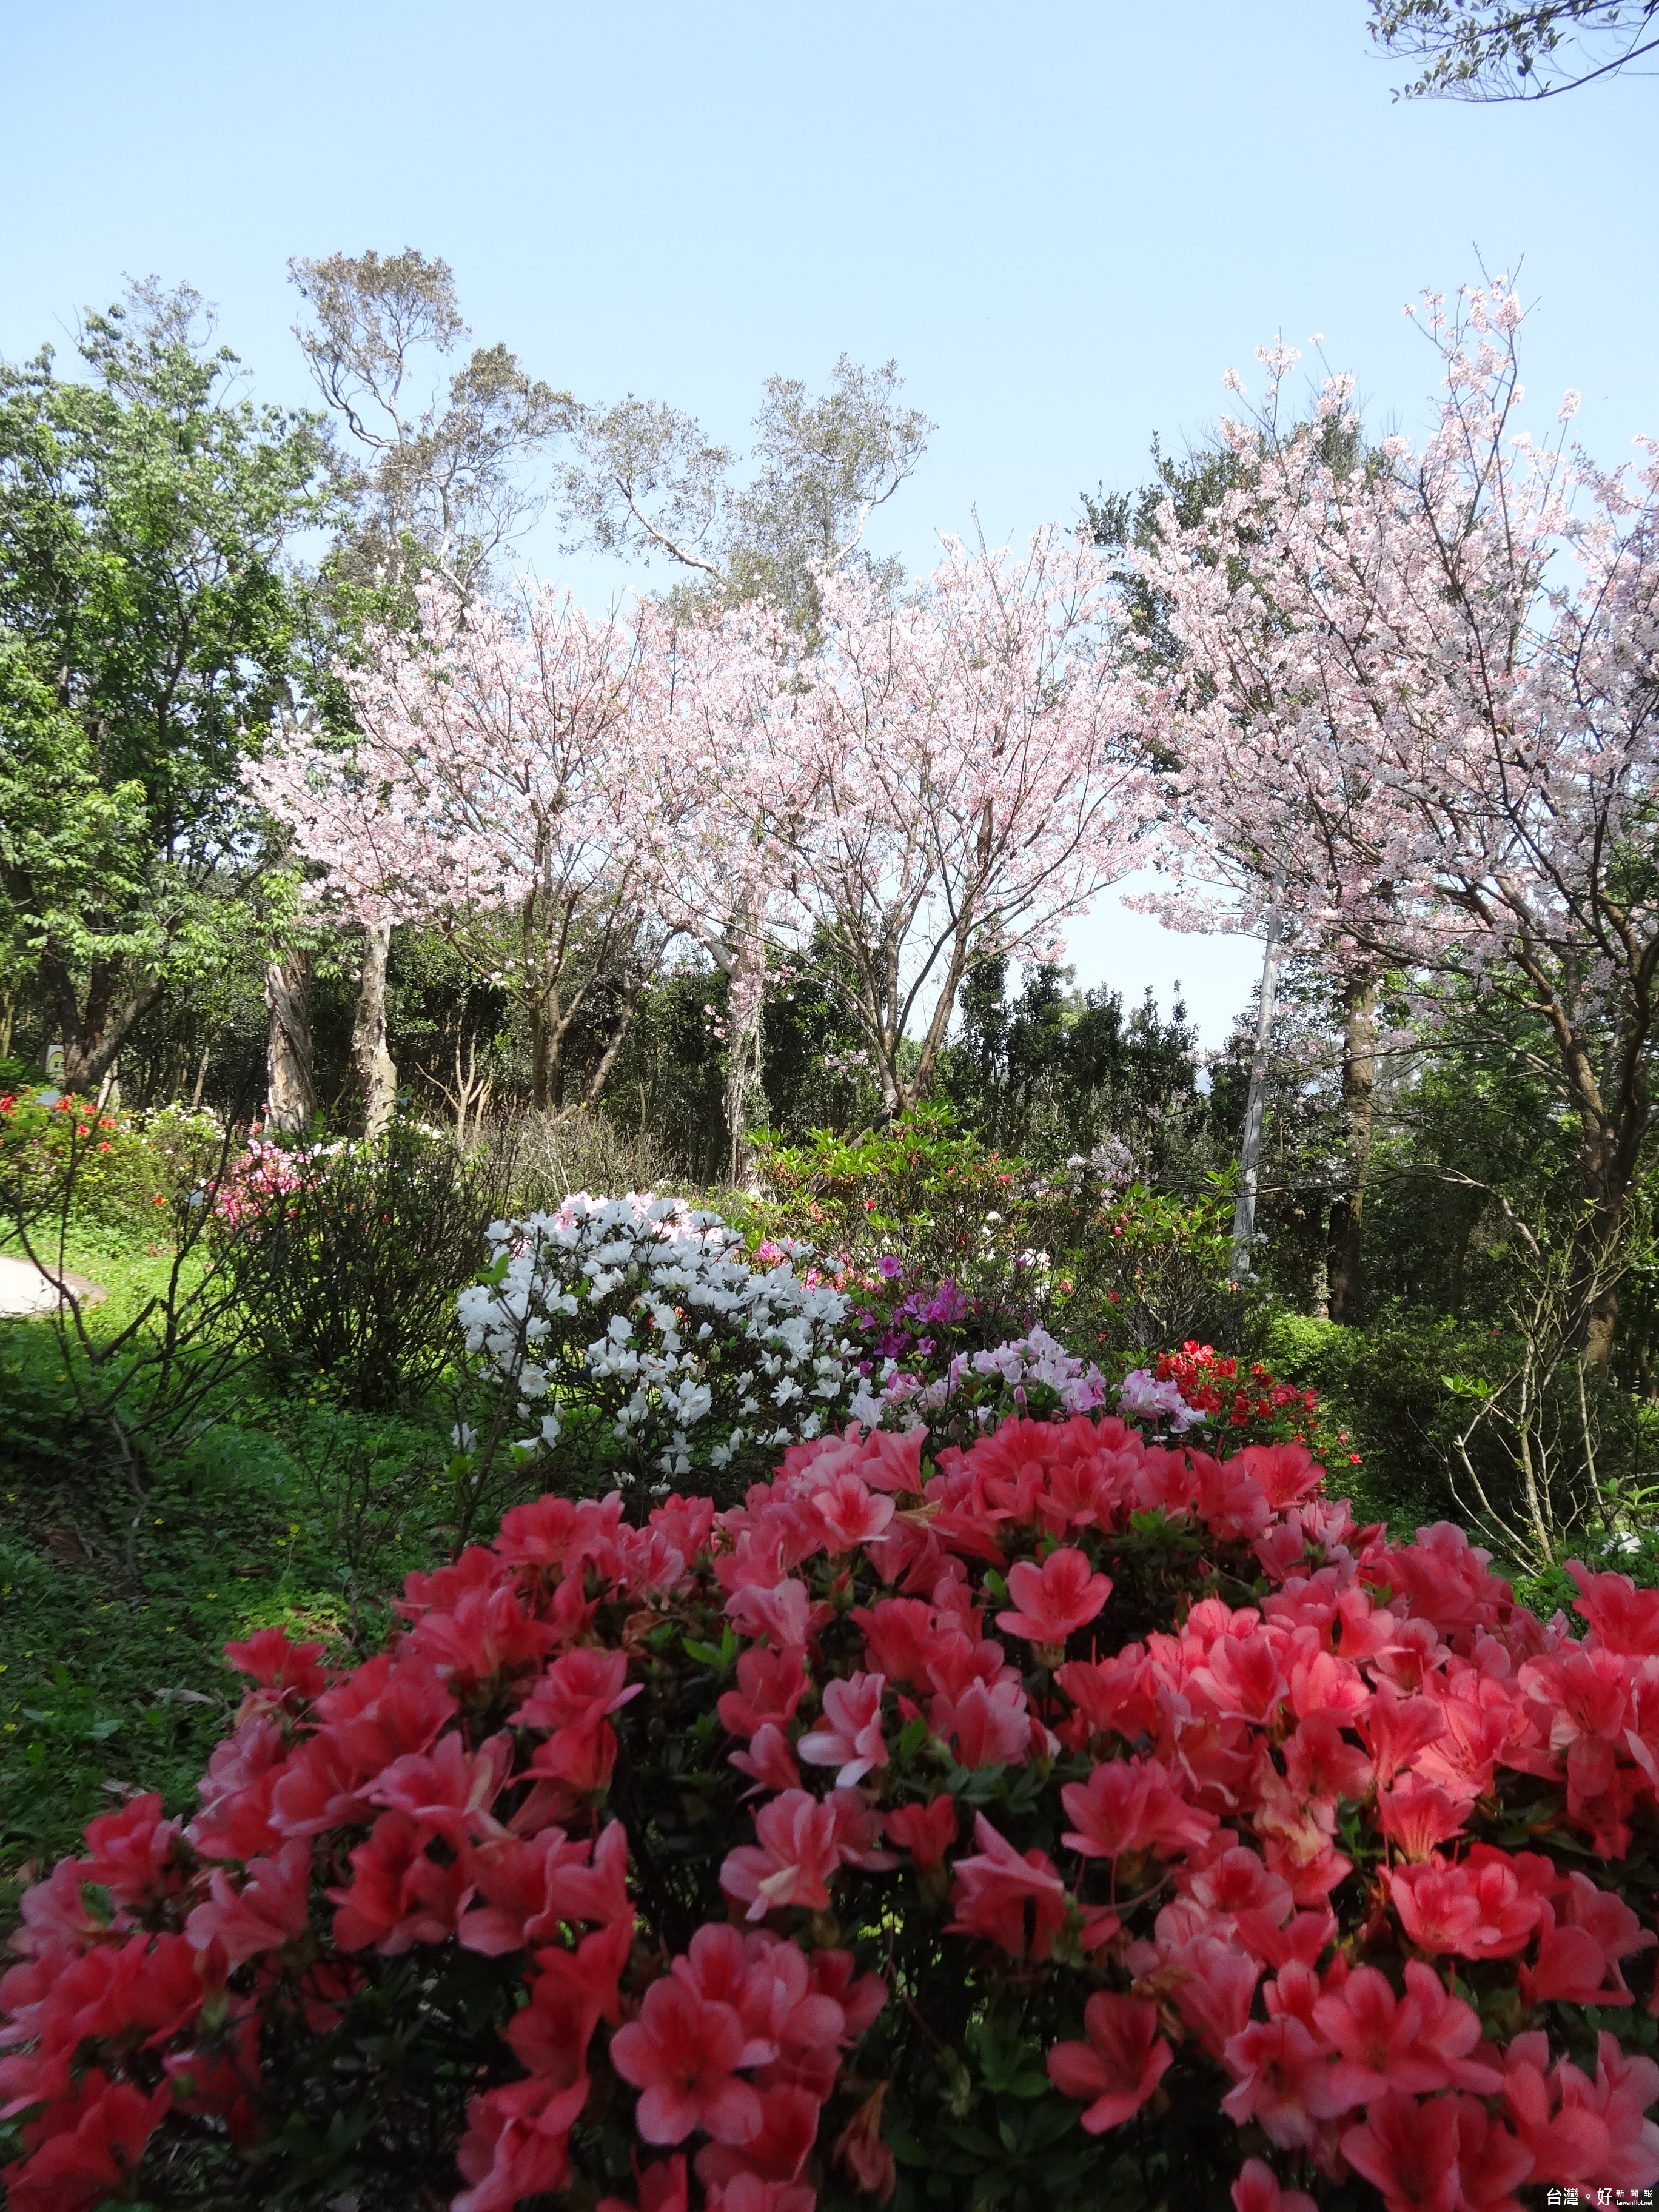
<point x="24" y="1289"/>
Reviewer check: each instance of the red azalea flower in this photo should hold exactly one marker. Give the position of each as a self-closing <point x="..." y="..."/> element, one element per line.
<point x="683" y="2053"/>
<point x="1051" y="1601"/>
<point x="926" y="1831"/>
<point x="1408" y="2151"/>
<point x="1117" y="2069"/>
<point x="1258" y="2188"/>
<point x="992" y="1893"/>
<point x="795" y="1858"/>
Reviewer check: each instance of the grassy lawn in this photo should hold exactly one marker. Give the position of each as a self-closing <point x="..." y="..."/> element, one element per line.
<point x="114" y="1607"/>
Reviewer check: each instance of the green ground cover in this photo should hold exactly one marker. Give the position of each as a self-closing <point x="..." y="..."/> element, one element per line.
<point x="115" y="1609"/>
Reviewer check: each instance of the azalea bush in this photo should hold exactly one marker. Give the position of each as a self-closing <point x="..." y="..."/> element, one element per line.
<point x="61" y="1154"/>
<point x="1067" y="1820"/>
<point x="346" y="1256"/>
<point x="1085" y="1250"/>
<point x="636" y="1334"/>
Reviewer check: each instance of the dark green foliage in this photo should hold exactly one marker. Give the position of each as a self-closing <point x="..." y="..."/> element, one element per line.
<point x="1053" y="1071"/>
<point x="145" y="632"/>
<point x="346" y="1260"/>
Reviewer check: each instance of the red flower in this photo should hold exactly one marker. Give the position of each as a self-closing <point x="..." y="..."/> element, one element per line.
<point x="1277" y="2068"/>
<point x="1416" y="1815"/>
<point x="132" y="1853"/>
<point x="985" y="1726"/>
<point x="1490" y="2163"/>
<point x="1477" y="1910"/>
<point x="399" y="1896"/>
<point x="278" y="1665"/>
<point x="1129" y="1805"/>
<point x="1414" y="2045"/>
<point x="850" y="1513"/>
<point x="484" y="1635"/>
<point x="1258" y="2188"/>
<point x="769" y="1759"/>
<point x="898" y="1633"/>
<point x="517" y="2144"/>
<point x="1409" y="2152"/>
<point x="795" y="1858"/>
<point x="926" y="1831"/>
<point x="1242" y="1677"/>
<point x="1051" y="1601"/>
<point x="1117" y="2069"/>
<point x="533" y="1888"/>
<point x="269" y="1908"/>
<point x="662" y="2187"/>
<point x="681" y="2052"/>
<point x="994" y="1891"/>
<point x="443" y="1790"/>
<point x="860" y="2150"/>
<point x="770" y="1685"/>
<point x="578" y="1690"/>
<point x="94" y="2144"/>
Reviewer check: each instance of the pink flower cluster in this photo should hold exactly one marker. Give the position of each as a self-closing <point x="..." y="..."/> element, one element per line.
<point x="1274" y="1876"/>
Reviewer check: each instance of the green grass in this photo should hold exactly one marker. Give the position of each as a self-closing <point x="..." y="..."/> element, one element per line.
<point x="114" y="1607"/>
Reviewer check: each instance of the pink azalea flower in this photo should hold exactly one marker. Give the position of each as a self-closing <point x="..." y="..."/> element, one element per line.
<point x="792" y="1861"/>
<point x="850" y="1739"/>
<point x="992" y="1890"/>
<point x="850" y="1513"/>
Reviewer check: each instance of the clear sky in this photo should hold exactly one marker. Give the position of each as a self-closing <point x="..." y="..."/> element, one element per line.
<point x="1065" y="220"/>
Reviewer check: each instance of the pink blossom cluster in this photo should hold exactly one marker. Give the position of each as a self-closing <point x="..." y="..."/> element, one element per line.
<point x="956" y="771"/>
<point x="264" y="1170"/>
<point x="1350" y="1724"/>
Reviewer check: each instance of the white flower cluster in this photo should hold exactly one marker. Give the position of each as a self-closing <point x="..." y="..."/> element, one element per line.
<point x="648" y="1312"/>
<point x="1037" y="1358"/>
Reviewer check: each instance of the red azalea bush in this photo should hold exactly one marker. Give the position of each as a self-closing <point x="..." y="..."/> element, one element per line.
<point x="1069" y="1822"/>
<point x="1252" y="1403"/>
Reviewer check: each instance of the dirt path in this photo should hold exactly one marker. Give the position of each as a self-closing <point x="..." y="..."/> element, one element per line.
<point x="25" y="1290"/>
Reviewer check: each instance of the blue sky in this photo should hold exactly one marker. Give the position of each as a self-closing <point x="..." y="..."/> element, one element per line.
<point x="1064" y="220"/>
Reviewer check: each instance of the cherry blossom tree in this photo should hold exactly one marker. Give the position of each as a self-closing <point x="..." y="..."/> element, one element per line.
<point x="1416" y="690"/>
<point x="495" y="794"/>
<point x="729" y="783"/>
<point x="977" y="780"/>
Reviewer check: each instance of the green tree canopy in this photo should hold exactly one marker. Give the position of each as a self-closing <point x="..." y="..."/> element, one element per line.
<point x="145" y="637"/>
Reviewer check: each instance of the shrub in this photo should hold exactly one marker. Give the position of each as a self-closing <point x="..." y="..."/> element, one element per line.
<point x="115" y="1168"/>
<point x="347" y="1257"/>
<point x="1086" y="1252"/>
<point x="635" y="1327"/>
<point x="1070" y="1821"/>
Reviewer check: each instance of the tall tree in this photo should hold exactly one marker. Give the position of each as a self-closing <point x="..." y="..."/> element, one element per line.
<point x="1396" y="701"/>
<point x="1487" y="50"/>
<point x="433" y="483"/>
<point x="648" y="482"/>
<point x="146" y="626"/>
<point x="493" y="793"/>
<point x="978" y="781"/>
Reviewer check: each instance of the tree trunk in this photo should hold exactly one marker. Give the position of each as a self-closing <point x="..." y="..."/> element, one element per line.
<point x="93" y="1028"/>
<point x="290" y="1083"/>
<point x="1360" y="1103"/>
<point x="377" y="1072"/>
<point x="543" y="1088"/>
<point x="1256" y="1104"/>
<point x="1596" y="1281"/>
